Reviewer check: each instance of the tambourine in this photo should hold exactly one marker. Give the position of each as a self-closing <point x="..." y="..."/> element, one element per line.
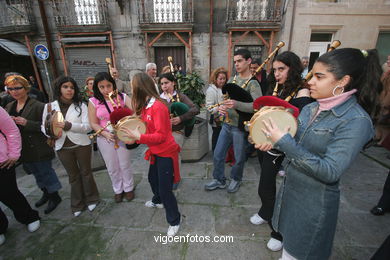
<point x="281" y="116"/>
<point x="129" y="122"/>
<point x="51" y="119"/>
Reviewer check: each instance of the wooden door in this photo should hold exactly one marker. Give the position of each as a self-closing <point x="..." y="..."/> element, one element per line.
<point x="161" y="57"/>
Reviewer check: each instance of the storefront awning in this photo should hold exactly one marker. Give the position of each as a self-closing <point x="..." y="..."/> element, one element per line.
<point x="15" y="48"/>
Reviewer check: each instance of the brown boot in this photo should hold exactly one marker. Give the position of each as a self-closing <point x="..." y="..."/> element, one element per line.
<point x="118" y="198"/>
<point x="129" y="196"/>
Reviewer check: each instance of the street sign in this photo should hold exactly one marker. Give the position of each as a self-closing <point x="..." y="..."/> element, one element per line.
<point x="41" y="52"/>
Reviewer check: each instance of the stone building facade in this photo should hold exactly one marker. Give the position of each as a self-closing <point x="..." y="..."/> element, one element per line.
<point x="200" y="35"/>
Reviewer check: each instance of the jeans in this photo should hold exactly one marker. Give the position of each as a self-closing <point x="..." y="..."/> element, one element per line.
<point x="44" y="174"/>
<point x="230" y="135"/>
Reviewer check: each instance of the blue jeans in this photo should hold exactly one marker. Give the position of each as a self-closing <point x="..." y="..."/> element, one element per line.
<point x="44" y="174"/>
<point x="230" y="135"/>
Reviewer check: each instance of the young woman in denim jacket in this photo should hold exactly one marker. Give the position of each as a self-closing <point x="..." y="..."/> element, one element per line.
<point x="331" y="132"/>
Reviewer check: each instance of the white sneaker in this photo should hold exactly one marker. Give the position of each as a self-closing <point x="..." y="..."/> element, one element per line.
<point x="172" y="230"/>
<point x="2" y="239"/>
<point x="274" y="244"/>
<point x="92" y="207"/>
<point x="257" y="220"/>
<point x="77" y="213"/>
<point x="34" y="226"/>
<point x="150" y="204"/>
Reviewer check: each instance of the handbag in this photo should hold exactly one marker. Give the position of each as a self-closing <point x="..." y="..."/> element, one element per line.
<point x="51" y="141"/>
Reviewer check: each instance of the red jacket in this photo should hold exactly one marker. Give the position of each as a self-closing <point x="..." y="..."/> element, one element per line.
<point x="159" y="136"/>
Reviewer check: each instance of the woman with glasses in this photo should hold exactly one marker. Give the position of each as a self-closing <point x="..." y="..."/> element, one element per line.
<point x="36" y="153"/>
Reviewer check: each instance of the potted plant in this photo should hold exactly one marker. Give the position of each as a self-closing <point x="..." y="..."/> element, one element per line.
<point x="197" y="144"/>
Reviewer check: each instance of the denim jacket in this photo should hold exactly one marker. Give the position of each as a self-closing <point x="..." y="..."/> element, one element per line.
<point x="307" y="205"/>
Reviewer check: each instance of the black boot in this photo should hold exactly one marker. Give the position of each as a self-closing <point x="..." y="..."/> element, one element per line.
<point x="54" y="200"/>
<point x="43" y="199"/>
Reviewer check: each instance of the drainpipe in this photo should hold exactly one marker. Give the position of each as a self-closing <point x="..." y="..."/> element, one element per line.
<point x="47" y="36"/>
<point x="292" y="24"/>
<point x="211" y="34"/>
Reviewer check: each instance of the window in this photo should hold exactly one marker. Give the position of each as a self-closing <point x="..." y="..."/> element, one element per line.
<point x="252" y="10"/>
<point x="168" y="11"/>
<point x="87" y="12"/>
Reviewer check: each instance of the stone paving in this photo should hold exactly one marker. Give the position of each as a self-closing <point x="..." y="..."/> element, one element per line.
<point x="127" y="230"/>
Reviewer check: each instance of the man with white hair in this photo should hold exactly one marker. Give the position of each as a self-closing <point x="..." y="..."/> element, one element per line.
<point x="151" y="70"/>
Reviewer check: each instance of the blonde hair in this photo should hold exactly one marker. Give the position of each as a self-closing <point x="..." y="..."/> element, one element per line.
<point x="215" y="73"/>
<point x="166" y="69"/>
<point x="13" y="80"/>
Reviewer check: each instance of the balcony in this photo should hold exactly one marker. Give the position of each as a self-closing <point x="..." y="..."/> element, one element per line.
<point x="80" y="15"/>
<point x="254" y="13"/>
<point x="165" y="14"/>
<point x="16" y="16"/>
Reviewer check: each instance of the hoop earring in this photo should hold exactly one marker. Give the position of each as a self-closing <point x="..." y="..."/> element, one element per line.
<point x="337" y="87"/>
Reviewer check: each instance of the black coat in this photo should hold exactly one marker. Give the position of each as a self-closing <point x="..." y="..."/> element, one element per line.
<point x="34" y="146"/>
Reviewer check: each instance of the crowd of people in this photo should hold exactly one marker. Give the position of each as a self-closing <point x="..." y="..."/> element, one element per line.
<point x="338" y="108"/>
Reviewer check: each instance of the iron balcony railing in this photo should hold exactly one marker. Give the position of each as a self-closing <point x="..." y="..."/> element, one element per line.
<point x="243" y="11"/>
<point x="165" y="11"/>
<point x="77" y="14"/>
<point x="16" y="16"/>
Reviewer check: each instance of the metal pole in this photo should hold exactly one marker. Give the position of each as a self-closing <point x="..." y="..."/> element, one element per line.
<point x="48" y="81"/>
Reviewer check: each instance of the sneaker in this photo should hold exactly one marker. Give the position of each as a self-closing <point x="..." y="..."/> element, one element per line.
<point x="150" y="204"/>
<point x="92" y="207"/>
<point x="172" y="230"/>
<point x="2" y="239"/>
<point x="77" y="213"/>
<point x="233" y="186"/>
<point x="377" y="211"/>
<point x="215" y="184"/>
<point x="257" y="220"/>
<point x="33" y="226"/>
<point x="274" y="244"/>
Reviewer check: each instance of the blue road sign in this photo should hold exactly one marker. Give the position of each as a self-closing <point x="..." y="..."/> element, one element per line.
<point x="41" y="52"/>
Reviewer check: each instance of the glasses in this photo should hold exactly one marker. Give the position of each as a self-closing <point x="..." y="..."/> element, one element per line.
<point x="14" y="89"/>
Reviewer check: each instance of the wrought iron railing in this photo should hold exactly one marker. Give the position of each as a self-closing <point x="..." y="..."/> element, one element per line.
<point x="254" y="11"/>
<point x="74" y="13"/>
<point x="16" y="16"/>
<point x="165" y="11"/>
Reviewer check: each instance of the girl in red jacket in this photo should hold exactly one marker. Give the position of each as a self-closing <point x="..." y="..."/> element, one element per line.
<point x="163" y="150"/>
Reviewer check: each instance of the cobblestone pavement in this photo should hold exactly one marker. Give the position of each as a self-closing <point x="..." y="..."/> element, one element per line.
<point x="128" y="230"/>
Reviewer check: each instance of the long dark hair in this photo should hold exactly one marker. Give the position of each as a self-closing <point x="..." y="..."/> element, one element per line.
<point x="168" y="76"/>
<point x="365" y="73"/>
<point x="100" y="77"/>
<point x="294" y="79"/>
<point x="76" y="100"/>
<point x="143" y="87"/>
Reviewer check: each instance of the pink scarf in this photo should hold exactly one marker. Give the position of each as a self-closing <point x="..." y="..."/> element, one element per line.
<point x="331" y="102"/>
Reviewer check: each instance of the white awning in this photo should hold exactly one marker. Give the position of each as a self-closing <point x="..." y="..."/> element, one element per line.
<point x="15" y="48"/>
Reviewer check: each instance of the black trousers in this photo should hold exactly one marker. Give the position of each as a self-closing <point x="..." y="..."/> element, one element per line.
<point x="383" y="251"/>
<point x="384" y="201"/>
<point x="270" y="166"/>
<point x="161" y="180"/>
<point x="214" y="137"/>
<point x="15" y="200"/>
